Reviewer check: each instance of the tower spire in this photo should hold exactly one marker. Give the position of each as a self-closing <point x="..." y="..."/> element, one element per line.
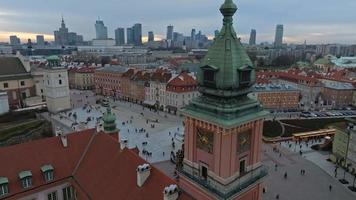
<point x="228" y="10"/>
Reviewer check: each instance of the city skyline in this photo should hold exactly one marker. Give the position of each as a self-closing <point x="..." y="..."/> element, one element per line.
<point x="319" y="22"/>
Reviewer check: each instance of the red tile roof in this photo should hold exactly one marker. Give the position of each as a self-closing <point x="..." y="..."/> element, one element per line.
<point x="183" y="80"/>
<point x="93" y="163"/>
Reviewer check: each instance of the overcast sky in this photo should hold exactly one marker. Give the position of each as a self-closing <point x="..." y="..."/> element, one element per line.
<point x="317" y="21"/>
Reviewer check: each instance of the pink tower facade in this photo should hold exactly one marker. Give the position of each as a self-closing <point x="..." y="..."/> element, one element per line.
<point x="223" y="127"/>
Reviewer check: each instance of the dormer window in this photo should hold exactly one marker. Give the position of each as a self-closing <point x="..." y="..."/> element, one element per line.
<point x="209" y="75"/>
<point x="48" y="172"/>
<point x="245" y="76"/>
<point x="26" y="179"/>
<point x="4" y="188"/>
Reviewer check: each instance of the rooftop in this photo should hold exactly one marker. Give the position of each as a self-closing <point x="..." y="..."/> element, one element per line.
<point x="95" y="160"/>
<point x="337" y="85"/>
<point x="113" y="69"/>
<point x="273" y="87"/>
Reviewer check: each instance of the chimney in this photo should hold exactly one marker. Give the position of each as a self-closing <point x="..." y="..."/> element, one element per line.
<point x="143" y="172"/>
<point x="64" y="141"/>
<point x="58" y="131"/>
<point x="99" y="127"/>
<point x="170" y="192"/>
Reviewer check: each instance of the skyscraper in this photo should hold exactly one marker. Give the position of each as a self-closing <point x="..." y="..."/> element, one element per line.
<point x="223" y="139"/>
<point x="192" y="35"/>
<point x="40" y="40"/>
<point x="253" y="37"/>
<point x="137" y="34"/>
<point x="120" y="36"/>
<point x="61" y="36"/>
<point x="101" y="30"/>
<point x="129" y="35"/>
<point x="14" y="40"/>
<point x="151" y="36"/>
<point x="278" y="41"/>
<point x="169" y="32"/>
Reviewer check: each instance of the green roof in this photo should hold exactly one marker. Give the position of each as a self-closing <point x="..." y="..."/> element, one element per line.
<point x="25" y="174"/>
<point x="3" y="180"/>
<point x="224" y="99"/>
<point x="322" y="61"/>
<point x="54" y="57"/>
<point x="226" y="55"/>
<point x="46" y="168"/>
<point x="109" y="120"/>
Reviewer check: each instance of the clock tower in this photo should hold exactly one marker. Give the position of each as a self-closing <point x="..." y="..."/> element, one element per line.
<point x="223" y="127"/>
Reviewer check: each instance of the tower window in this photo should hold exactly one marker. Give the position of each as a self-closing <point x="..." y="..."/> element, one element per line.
<point x="60" y="82"/>
<point x="22" y="83"/>
<point x="245" y="76"/>
<point x="209" y="76"/>
<point x="6" y="85"/>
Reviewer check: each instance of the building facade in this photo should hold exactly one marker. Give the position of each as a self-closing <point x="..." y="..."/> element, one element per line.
<point x="278" y="40"/>
<point x="101" y="30"/>
<point x="156" y="93"/>
<point x="277" y="97"/>
<point x="180" y="91"/>
<point x="223" y="127"/>
<point x="81" y="78"/>
<point x="337" y="95"/>
<point x="16" y="80"/>
<point x="108" y="80"/>
<point x="252" y="37"/>
<point x="56" y="86"/>
<point x="120" y="36"/>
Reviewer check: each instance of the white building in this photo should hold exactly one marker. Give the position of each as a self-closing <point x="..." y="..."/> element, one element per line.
<point x="4" y="102"/>
<point x="56" y="86"/>
<point x="180" y="91"/>
<point x="156" y="93"/>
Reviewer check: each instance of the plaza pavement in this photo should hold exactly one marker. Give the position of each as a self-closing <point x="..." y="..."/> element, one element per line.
<point x="159" y="141"/>
<point x="314" y="185"/>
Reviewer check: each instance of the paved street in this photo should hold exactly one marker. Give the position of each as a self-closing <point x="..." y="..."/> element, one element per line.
<point x="314" y="185"/>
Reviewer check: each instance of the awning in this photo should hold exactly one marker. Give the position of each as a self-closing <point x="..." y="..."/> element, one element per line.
<point x="151" y="103"/>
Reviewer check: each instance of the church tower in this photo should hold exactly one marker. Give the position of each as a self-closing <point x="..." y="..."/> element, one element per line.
<point x="223" y="127"/>
<point x="56" y="86"/>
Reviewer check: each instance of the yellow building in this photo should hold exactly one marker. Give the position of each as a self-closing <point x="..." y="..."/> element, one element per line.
<point x="82" y="78"/>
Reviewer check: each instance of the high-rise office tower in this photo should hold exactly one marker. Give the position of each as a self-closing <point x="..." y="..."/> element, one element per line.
<point x="151" y="36"/>
<point x="40" y="40"/>
<point x="192" y="35"/>
<point x="253" y="37"/>
<point x="129" y="35"/>
<point x="278" y="41"/>
<point x="169" y="32"/>
<point x="137" y="34"/>
<point x="101" y="30"/>
<point x="14" y="40"/>
<point x="120" y="36"/>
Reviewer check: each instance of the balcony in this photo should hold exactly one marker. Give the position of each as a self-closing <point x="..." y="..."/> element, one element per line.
<point x="234" y="187"/>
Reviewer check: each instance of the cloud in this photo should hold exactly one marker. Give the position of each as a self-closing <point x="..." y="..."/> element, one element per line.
<point x="299" y="17"/>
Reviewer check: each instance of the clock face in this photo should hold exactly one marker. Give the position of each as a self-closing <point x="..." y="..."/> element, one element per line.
<point x="244" y="141"/>
<point x="205" y="140"/>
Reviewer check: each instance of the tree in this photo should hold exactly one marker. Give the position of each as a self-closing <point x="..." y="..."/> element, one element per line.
<point x="283" y="61"/>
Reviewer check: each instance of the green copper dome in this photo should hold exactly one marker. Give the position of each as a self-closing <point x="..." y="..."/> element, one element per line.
<point x="226" y="70"/>
<point x="109" y="121"/>
<point x="54" y="61"/>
